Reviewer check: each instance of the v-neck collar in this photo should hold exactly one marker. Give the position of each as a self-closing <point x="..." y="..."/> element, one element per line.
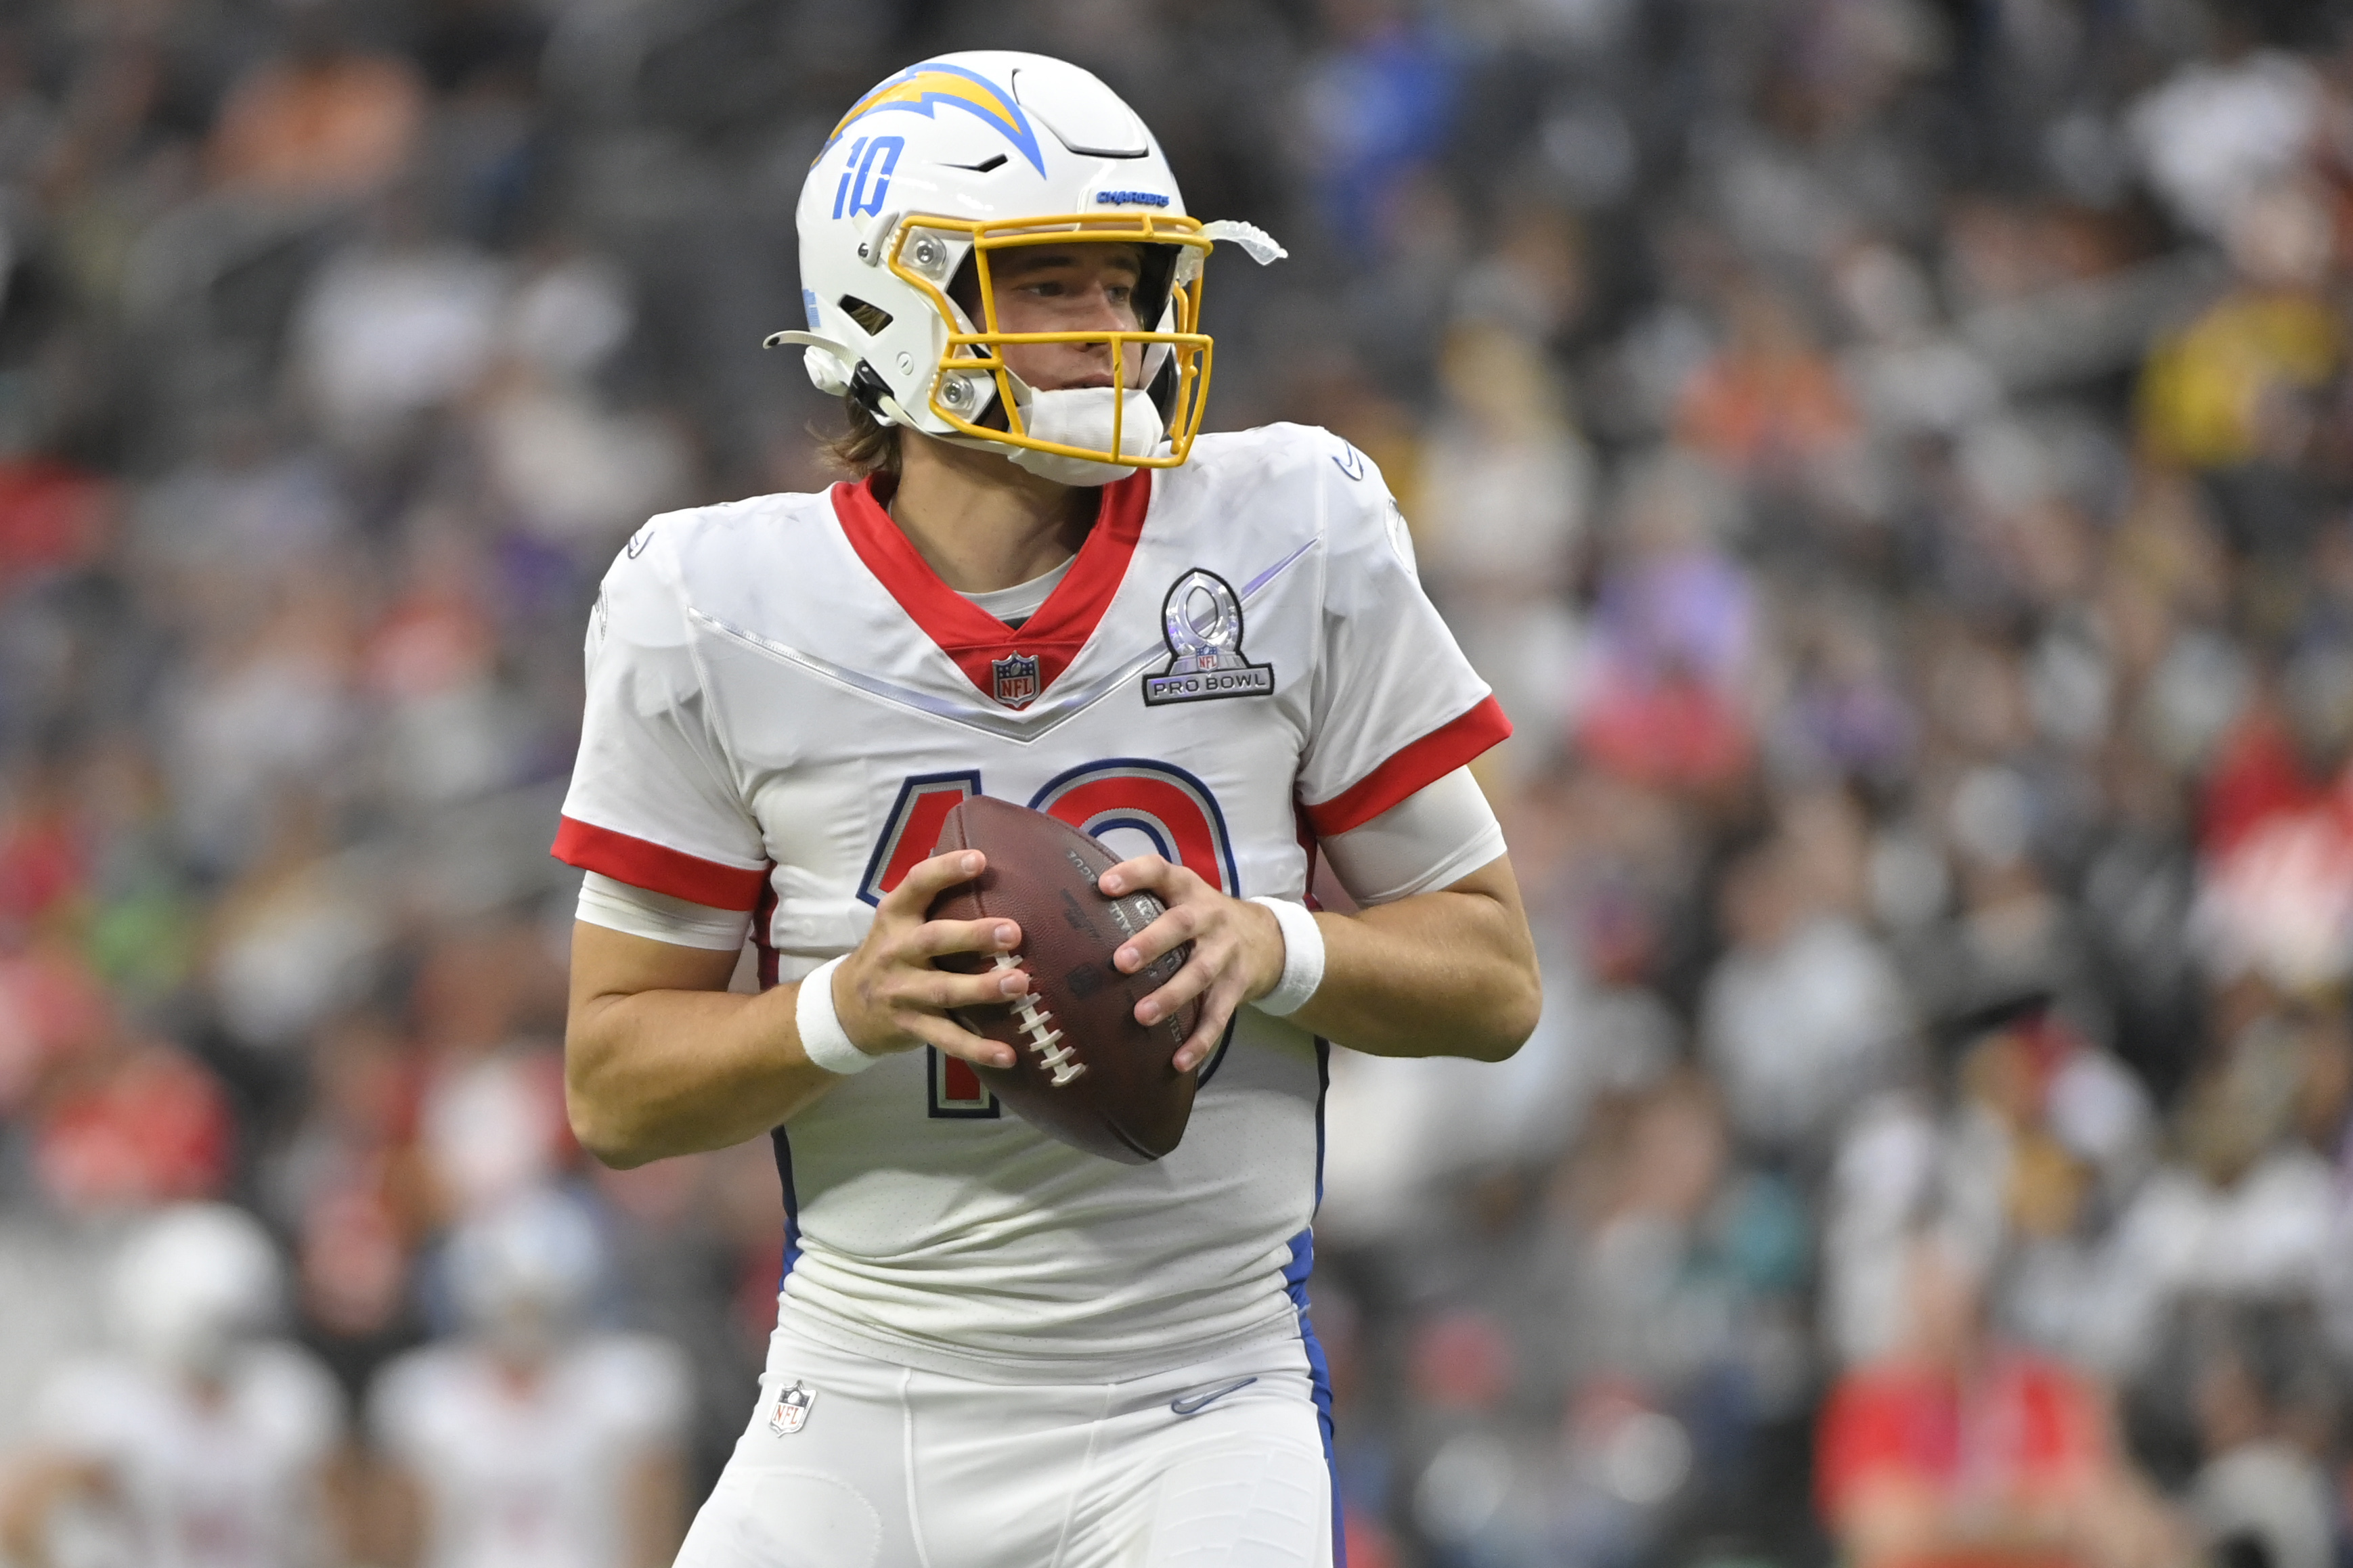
<point x="990" y="653"/>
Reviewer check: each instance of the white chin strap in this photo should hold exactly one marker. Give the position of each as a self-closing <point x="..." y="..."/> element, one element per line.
<point x="1082" y="417"/>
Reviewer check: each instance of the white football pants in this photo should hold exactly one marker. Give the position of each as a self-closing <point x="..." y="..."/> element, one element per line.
<point x="872" y="1465"/>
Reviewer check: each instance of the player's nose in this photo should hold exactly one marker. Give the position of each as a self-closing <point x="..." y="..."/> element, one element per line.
<point x="1097" y="310"/>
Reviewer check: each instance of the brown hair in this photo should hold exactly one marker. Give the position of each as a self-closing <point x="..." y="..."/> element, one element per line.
<point x="866" y="447"/>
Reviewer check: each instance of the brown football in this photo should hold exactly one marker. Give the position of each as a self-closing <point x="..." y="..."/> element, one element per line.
<point x="1085" y="1070"/>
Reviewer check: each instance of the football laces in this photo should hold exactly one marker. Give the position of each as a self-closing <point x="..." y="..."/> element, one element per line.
<point x="1038" y="1030"/>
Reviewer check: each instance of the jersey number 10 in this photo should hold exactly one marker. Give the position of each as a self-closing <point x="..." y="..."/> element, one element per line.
<point x="1173" y="811"/>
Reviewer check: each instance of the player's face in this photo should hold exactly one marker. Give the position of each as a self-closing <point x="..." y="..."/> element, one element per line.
<point x="1067" y="289"/>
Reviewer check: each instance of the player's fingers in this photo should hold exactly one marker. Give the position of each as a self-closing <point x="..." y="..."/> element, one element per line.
<point x="1188" y="983"/>
<point x="927" y="880"/>
<point x="934" y="937"/>
<point x="1216" y="1012"/>
<point x="1177" y="925"/>
<point x="936" y="990"/>
<point x="1153" y="872"/>
<point x="933" y="1029"/>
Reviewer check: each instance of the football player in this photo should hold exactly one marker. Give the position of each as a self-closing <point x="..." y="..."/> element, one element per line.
<point x="199" y="1441"/>
<point x="1047" y="586"/>
<point x="530" y="1441"/>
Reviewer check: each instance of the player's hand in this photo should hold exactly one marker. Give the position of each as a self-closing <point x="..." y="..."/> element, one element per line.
<point x="889" y="995"/>
<point x="1237" y="949"/>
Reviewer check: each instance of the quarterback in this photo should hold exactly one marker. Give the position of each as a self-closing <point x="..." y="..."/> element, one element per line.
<point x="994" y="1350"/>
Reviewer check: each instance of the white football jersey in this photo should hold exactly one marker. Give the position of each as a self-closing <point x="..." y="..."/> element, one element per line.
<point x="529" y="1474"/>
<point x="784" y="703"/>
<point x="227" y="1482"/>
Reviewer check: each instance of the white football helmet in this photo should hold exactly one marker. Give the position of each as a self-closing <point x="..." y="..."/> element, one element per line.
<point x="192" y="1284"/>
<point x="964" y="155"/>
<point x="522" y="1273"/>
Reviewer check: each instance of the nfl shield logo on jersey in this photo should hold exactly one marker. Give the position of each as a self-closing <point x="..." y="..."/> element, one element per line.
<point x="1014" y="678"/>
<point x="790" y="1413"/>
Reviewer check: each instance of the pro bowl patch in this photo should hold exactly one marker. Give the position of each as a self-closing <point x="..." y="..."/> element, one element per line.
<point x="1202" y="620"/>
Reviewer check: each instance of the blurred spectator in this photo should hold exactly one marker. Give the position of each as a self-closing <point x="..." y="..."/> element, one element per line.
<point x="52" y="1011"/>
<point x="2278" y="834"/>
<point x="1375" y="106"/>
<point x="396" y="330"/>
<point x="1805" y="1015"/>
<point x="573" y="474"/>
<point x="2261" y="1489"/>
<point x="1672" y="637"/>
<point x="53" y="518"/>
<point x="1691" y="1274"/>
<point x="2237" y="384"/>
<point x="2222" y="126"/>
<point x="2045" y="1138"/>
<point x="1769" y="401"/>
<point x="2245" y="1210"/>
<point x="1504" y="483"/>
<point x="1846" y="713"/>
<point x="295" y="940"/>
<point x="325" y="119"/>
<point x="351" y="1184"/>
<point x="1906" y="375"/>
<point x="140" y="1124"/>
<point x="1959" y="1449"/>
<point x="198" y="1438"/>
<point x="531" y="1439"/>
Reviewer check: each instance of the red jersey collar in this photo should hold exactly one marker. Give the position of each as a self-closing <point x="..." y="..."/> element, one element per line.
<point x="977" y="641"/>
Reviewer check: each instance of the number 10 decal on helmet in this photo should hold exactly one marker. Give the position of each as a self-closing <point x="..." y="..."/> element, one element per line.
<point x="873" y="183"/>
<point x="959" y="160"/>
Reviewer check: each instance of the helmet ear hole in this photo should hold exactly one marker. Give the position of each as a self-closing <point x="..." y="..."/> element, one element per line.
<point x="963" y="288"/>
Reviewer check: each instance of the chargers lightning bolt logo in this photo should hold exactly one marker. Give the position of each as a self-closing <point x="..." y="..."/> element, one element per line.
<point x="919" y="88"/>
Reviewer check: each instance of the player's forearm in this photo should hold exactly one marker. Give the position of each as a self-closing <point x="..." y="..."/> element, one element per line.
<point x="677" y="1072"/>
<point x="660" y="1060"/>
<point x="1444" y="973"/>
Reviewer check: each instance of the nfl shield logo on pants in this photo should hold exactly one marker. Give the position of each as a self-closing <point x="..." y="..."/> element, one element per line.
<point x="1015" y="679"/>
<point x="790" y="1413"/>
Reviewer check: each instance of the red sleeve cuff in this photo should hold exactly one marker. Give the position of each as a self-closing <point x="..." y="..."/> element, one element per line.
<point x="1419" y="766"/>
<point x="656" y="869"/>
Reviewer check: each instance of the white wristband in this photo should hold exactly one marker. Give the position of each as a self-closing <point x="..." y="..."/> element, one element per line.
<point x="1303" y="958"/>
<point x="823" y="1039"/>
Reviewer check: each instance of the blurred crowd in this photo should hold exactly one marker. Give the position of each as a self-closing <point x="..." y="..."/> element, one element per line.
<point x="1893" y="458"/>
